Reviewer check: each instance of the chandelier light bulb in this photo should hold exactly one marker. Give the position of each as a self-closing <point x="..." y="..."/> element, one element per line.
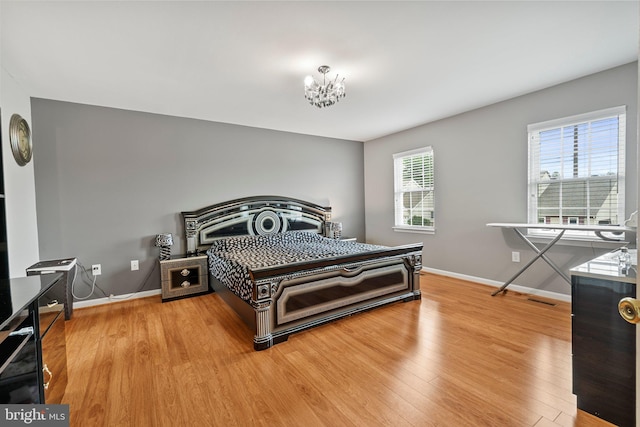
<point x="308" y="81"/>
<point x="325" y="94"/>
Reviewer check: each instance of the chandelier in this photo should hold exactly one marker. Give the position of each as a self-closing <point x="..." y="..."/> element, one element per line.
<point x="325" y="94"/>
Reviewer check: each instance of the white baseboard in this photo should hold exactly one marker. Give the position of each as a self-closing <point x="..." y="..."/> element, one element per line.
<point x="496" y="284"/>
<point x="116" y="298"/>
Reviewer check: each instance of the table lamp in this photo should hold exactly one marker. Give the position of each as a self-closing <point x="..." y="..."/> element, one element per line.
<point x="334" y="230"/>
<point x="164" y="242"/>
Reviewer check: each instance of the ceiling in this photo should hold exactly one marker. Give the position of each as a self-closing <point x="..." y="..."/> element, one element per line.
<point x="244" y="62"/>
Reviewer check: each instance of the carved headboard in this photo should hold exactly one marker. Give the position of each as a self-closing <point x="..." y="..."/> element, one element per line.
<point x="258" y="215"/>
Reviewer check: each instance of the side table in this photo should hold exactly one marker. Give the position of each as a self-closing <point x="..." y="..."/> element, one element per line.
<point x="63" y="291"/>
<point x="182" y="276"/>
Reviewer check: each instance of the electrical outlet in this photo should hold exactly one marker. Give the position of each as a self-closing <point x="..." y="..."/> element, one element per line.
<point x="515" y="256"/>
<point x="134" y="265"/>
<point x="96" y="269"/>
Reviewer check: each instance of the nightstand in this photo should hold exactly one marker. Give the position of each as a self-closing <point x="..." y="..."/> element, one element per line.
<point x="183" y="276"/>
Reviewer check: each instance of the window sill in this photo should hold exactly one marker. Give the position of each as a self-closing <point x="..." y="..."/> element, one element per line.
<point x="415" y="229"/>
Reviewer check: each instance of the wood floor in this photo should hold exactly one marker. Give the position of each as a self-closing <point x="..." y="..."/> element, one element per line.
<point x="458" y="357"/>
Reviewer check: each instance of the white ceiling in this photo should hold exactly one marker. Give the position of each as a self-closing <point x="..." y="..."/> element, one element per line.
<point x="405" y="63"/>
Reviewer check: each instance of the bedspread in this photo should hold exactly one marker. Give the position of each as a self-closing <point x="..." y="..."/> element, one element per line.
<point x="231" y="259"/>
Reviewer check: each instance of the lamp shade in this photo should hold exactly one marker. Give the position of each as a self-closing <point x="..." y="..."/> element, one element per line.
<point x="333" y="229"/>
<point x="164" y="240"/>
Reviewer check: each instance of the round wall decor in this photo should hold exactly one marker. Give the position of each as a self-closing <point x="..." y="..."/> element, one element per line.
<point x="20" y="139"/>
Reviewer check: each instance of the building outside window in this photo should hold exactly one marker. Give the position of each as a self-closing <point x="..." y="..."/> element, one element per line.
<point x="414" y="190"/>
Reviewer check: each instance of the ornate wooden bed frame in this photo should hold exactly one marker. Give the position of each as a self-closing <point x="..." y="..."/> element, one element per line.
<point x="290" y="298"/>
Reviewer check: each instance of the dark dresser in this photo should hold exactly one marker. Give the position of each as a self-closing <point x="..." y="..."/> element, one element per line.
<point x="603" y="344"/>
<point x="33" y="367"/>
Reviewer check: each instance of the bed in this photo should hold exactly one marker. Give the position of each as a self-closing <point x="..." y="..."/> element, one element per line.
<point x="281" y="265"/>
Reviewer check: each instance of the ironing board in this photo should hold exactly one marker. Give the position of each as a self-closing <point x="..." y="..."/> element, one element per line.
<point x="560" y="229"/>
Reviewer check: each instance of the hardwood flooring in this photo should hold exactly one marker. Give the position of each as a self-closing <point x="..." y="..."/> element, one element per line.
<point x="458" y="357"/>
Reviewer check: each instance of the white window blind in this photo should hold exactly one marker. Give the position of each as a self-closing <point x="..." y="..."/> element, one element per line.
<point x="414" y="190"/>
<point x="576" y="170"/>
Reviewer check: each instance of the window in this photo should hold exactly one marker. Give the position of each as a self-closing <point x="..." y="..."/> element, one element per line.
<point x="413" y="186"/>
<point x="576" y="170"/>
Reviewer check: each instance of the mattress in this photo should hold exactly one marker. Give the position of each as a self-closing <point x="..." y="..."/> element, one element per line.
<point x="231" y="259"/>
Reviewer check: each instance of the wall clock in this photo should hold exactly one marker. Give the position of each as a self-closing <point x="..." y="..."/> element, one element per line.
<point x="20" y="139"/>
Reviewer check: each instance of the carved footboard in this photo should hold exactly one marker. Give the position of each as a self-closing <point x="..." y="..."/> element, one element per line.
<point x="292" y="298"/>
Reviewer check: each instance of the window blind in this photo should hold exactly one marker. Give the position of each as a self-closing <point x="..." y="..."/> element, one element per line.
<point x="576" y="169"/>
<point x="414" y="189"/>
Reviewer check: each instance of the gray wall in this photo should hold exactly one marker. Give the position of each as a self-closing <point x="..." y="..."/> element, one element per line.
<point x="108" y="180"/>
<point x="481" y="177"/>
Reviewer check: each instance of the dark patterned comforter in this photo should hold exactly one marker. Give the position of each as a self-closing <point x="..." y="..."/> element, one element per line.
<point x="231" y="259"/>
